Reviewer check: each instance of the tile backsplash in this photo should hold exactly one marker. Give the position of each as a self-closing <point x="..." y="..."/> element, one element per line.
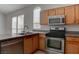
<point x="45" y="27"/>
<point x="72" y="27"/>
<point x="68" y="27"/>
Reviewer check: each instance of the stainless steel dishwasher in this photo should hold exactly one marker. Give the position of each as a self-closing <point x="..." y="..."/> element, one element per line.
<point x="12" y="46"/>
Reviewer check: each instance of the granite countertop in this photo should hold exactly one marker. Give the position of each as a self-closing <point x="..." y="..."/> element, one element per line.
<point x="72" y="33"/>
<point x="11" y="36"/>
<point x="41" y="31"/>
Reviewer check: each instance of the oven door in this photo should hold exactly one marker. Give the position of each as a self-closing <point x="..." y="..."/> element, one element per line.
<point x="55" y="44"/>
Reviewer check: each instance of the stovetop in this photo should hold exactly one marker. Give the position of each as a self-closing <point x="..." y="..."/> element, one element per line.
<point x="56" y="33"/>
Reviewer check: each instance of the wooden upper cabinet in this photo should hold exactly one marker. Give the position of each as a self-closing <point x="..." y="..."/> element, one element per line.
<point x="44" y="17"/>
<point x="52" y="12"/>
<point x="60" y="11"/>
<point x="70" y="14"/>
<point x="72" y="45"/>
<point x="77" y="13"/>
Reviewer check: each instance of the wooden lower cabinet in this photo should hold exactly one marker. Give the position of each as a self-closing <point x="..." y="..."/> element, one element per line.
<point x="28" y="48"/>
<point x="72" y="45"/>
<point x="35" y="42"/>
<point x="30" y="44"/>
<point x="42" y="44"/>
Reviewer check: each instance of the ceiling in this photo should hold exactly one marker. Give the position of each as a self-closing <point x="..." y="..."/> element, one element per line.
<point x="7" y="8"/>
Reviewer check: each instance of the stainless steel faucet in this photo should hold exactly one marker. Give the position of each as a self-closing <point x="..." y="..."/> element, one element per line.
<point x="26" y="27"/>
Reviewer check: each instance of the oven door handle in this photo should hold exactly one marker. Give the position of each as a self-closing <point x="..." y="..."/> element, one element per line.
<point x="55" y="38"/>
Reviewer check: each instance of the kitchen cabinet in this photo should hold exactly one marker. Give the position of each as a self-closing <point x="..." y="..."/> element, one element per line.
<point x="77" y="13"/>
<point x="35" y="42"/>
<point x="42" y="40"/>
<point x="44" y="17"/>
<point x="51" y="12"/>
<point x="60" y="11"/>
<point x="72" y="45"/>
<point x="28" y="48"/>
<point x="30" y="44"/>
<point x="70" y="14"/>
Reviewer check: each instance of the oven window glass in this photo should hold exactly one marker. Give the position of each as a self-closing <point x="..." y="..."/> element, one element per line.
<point x="55" y="44"/>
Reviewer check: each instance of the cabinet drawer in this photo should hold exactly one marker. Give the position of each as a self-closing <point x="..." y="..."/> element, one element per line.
<point x="72" y="39"/>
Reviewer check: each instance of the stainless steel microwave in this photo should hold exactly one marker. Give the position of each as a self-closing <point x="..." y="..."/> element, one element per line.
<point x="56" y="20"/>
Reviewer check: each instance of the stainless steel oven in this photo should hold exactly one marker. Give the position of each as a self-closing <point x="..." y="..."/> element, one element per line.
<point x="56" y="20"/>
<point x="55" y="45"/>
<point x="55" y="40"/>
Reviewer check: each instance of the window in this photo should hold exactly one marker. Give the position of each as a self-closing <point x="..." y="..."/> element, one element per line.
<point x="17" y="24"/>
<point x="36" y="18"/>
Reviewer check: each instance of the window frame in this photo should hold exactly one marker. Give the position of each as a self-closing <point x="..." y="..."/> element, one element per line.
<point x="16" y="23"/>
<point x="34" y="18"/>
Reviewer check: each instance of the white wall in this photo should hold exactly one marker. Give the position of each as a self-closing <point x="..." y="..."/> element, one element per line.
<point x="2" y="23"/>
<point x="28" y="12"/>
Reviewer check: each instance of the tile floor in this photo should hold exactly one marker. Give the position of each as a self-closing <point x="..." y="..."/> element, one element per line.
<point x="39" y="52"/>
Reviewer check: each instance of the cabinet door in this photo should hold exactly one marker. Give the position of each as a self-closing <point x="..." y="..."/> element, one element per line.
<point x="70" y="14"/>
<point x="52" y="12"/>
<point x="35" y="42"/>
<point x="28" y="48"/>
<point x="44" y="17"/>
<point x="72" y="45"/>
<point x="42" y="44"/>
<point x="77" y="14"/>
<point x="60" y="11"/>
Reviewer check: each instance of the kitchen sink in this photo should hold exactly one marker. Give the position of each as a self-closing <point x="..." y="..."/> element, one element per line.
<point x="28" y="33"/>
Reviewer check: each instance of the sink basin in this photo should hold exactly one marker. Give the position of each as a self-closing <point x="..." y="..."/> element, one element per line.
<point x="26" y="33"/>
<point x="29" y="33"/>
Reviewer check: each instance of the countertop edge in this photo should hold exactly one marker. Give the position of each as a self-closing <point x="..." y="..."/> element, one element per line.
<point x="19" y="36"/>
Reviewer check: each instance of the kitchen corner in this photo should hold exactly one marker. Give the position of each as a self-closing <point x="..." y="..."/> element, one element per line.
<point x="46" y="29"/>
